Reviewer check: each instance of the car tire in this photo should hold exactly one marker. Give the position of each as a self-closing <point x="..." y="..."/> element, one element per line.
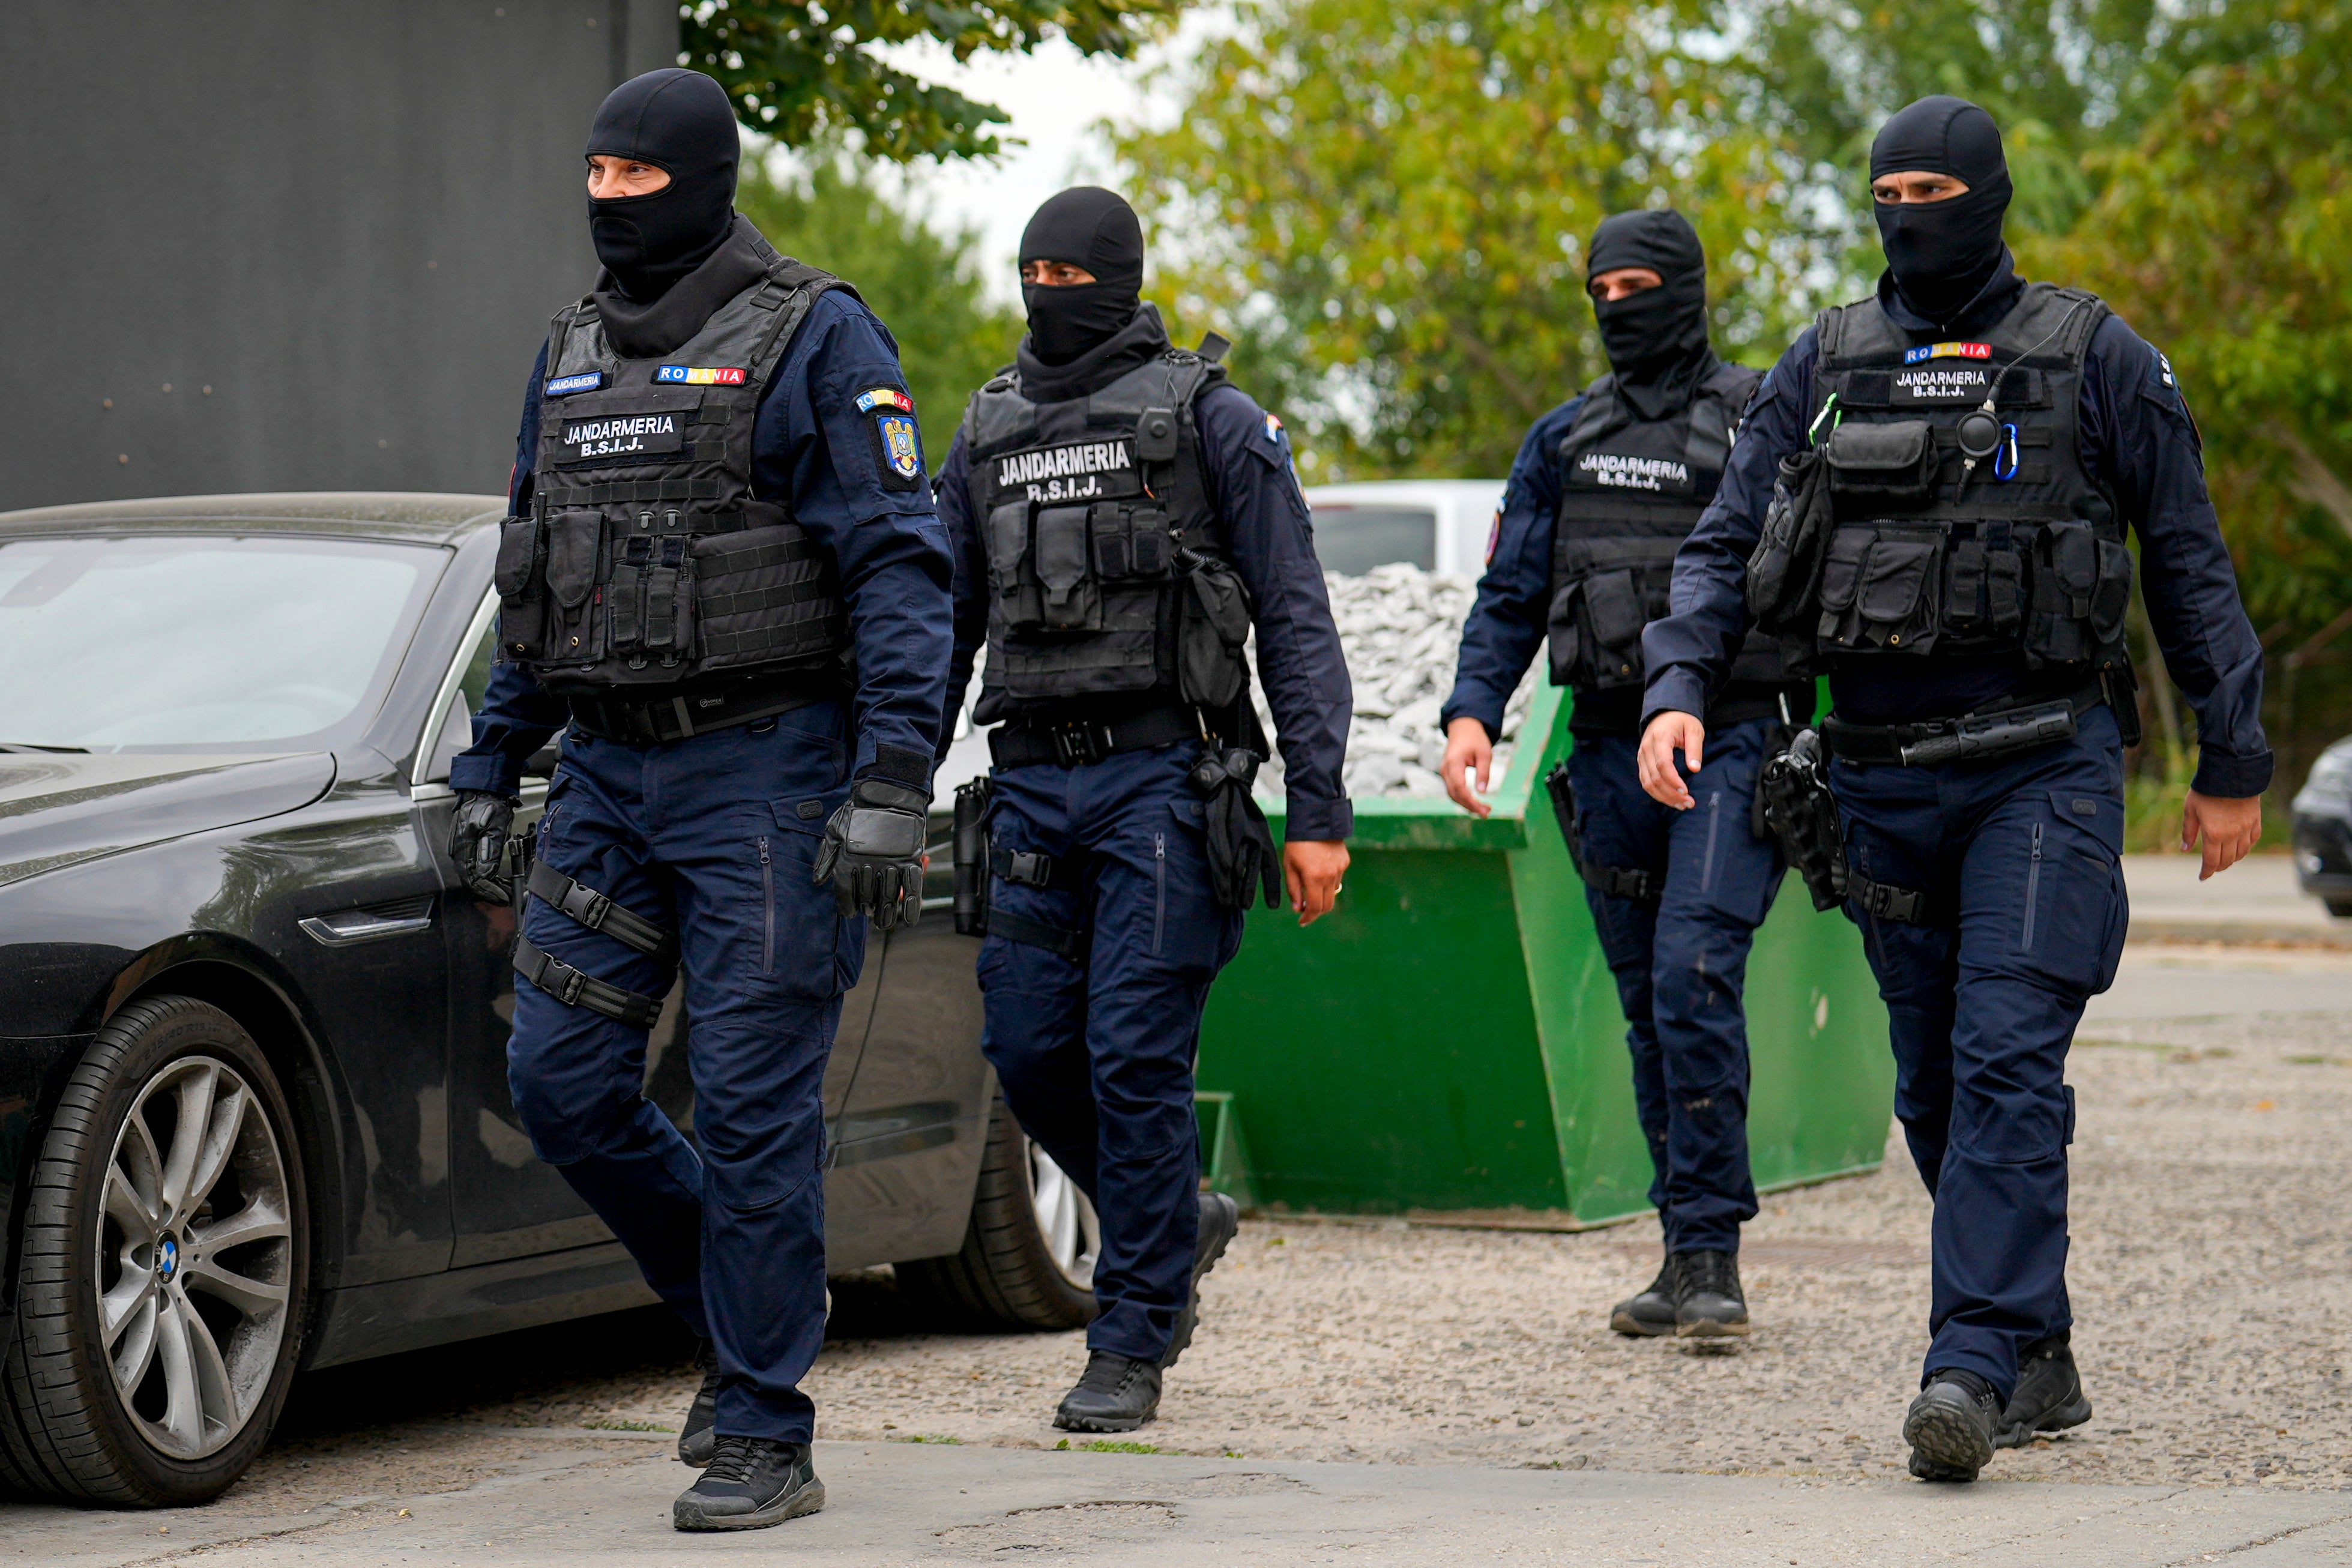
<point x="163" y="1279"/>
<point x="1028" y="1251"/>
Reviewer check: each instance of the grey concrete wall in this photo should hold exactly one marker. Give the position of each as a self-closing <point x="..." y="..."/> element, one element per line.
<point x="257" y="244"/>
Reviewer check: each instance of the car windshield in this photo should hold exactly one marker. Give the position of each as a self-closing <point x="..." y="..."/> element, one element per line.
<point x="148" y="642"/>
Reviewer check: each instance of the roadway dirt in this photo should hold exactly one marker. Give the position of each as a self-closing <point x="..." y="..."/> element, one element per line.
<point x="2210" y="1234"/>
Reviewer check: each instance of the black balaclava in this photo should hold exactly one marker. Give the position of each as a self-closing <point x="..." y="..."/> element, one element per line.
<point x="681" y="122"/>
<point x="1656" y="340"/>
<point x="1094" y="228"/>
<point x="1942" y="254"/>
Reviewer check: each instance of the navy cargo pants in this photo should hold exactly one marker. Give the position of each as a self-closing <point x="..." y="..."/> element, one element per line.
<point x="712" y="838"/>
<point x="1096" y="1051"/>
<point x="1681" y="965"/>
<point x="2027" y="847"/>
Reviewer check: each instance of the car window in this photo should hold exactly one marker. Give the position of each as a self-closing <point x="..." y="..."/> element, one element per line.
<point x="217" y="642"/>
<point x="1352" y="540"/>
<point x="458" y="730"/>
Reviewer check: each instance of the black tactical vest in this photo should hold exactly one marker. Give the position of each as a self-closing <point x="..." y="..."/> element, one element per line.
<point x="645" y="562"/>
<point x="1082" y="506"/>
<point x="1965" y="522"/>
<point x="1631" y="489"/>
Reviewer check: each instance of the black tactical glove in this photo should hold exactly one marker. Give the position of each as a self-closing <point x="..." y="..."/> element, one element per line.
<point x="872" y="852"/>
<point x="477" y="843"/>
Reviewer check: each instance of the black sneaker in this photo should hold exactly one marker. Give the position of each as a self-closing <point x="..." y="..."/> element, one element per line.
<point x="1117" y="1393"/>
<point x="1220" y="1218"/>
<point x="1708" y="1302"/>
<point x="1951" y="1426"/>
<point x="2050" y="1396"/>
<point x="752" y="1482"/>
<point x="1652" y="1312"/>
<point x="699" y="1437"/>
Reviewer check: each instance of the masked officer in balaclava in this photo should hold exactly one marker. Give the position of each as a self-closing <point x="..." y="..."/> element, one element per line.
<point x="720" y="509"/>
<point x="1121" y="515"/>
<point x="1603" y="490"/>
<point x="1970" y="449"/>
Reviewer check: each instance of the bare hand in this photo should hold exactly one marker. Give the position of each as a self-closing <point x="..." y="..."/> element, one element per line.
<point x="2228" y="827"/>
<point x="1312" y="868"/>
<point x="1669" y="732"/>
<point x="1467" y="749"/>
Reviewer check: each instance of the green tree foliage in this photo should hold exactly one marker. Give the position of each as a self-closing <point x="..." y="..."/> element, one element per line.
<point x="2065" y="78"/>
<point x="810" y="71"/>
<point x="1385" y="202"/>
<point x="2220" y="236"/>
<point x="951" y="336"/>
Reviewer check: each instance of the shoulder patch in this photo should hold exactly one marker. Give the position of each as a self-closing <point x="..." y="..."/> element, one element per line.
<point x="898" y="441"/>
<point x="885" y="398"/>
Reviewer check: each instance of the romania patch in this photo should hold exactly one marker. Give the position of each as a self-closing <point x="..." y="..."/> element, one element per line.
<point x="565" y="386"/>
<point x="702" y="376"/>
<point x="885" y="398"/>
<point x="1946" y="351"/>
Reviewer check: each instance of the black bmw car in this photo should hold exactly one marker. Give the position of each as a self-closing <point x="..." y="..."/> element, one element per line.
<point x="253" y="1100"/>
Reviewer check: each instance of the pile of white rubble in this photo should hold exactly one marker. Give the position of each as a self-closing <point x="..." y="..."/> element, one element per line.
<point x="1401" y="628"/>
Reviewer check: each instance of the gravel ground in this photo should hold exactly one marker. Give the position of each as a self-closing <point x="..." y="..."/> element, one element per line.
<point x="2209" y="1168"/>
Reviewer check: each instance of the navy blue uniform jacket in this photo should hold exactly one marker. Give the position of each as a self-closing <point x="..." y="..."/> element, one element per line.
<point x="2137" y="437"/>
<point x="1247" y="455"/>
<point x="808" y="448"/>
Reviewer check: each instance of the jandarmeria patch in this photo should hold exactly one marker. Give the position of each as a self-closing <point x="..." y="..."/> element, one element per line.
<point x="1622" y="471"/>
<point x="1943" y="384"/>
<point x="623" y="437"/>
<point x="702" y="374"/>
<point x="1075" y="472"/>
<point x="1927" y="352"/>
<point x="565" y="386"/>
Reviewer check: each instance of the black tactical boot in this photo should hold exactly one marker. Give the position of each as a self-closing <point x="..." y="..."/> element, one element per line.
<point x="1708" y="1302"/>
<point x="1220" y="1218"/>
<point x="2049" y="1397"/>
<point x="1117" y="1393"/>
<point x="1951" y="1426"/>
<point x="1653" y="1312"/>
<point x="752" y="1482"/>
<point x="697" y="1438"/>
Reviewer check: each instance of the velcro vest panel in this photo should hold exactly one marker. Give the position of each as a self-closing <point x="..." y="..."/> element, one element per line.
<point x="644" y="560"/>
<point x="1081" y="506"/>
<point x="2019" y="549"/>
<point x="1631" y="489"/>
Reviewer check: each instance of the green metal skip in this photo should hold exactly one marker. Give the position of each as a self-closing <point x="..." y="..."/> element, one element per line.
<point x="1447" y="1042"/>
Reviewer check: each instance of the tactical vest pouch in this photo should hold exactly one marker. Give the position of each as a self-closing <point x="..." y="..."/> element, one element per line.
<point x="1064" y="561"/>
<point x="522" y="606"/>
<point x="1213" y="627"/>
<point x="575" y="545"/>
<point x="1020" y="603"/>
<point x="761" y="596"/>
<point x="1129" y="541"/>
<point x="1984" y="579"/>
<point x="1889" y="465"/>
<point x="1875" y="589"/>
<point x="1784" y="573"/>
<point x="2082" y="588"/>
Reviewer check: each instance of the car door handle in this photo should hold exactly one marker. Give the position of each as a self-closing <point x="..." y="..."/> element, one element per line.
<point x="349" y="928"/>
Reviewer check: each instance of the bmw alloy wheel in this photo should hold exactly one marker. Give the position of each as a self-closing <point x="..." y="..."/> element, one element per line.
<point x="194" y="1257"/>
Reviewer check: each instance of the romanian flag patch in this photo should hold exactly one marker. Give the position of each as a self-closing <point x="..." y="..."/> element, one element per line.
<point x="702" y="374"/>
<point x="1927" y="352"/>
<point x="885" y="398"/>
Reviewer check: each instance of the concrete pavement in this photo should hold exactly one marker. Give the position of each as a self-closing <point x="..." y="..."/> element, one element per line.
<point x="2256" y="900"/>
<point x="893" y="1504"/>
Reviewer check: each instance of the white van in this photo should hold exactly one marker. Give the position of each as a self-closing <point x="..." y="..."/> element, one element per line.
<point x="1438" y="525"/>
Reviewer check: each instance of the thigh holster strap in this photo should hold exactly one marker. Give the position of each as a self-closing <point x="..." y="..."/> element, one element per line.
<point x="594" y="910"/>
<point x="1063" y="943"/>
<point x="1029" y="869"/>
<point x="577" y="988"/>
<point x="1885" y="902"/>
<point x="1619" y="883"/>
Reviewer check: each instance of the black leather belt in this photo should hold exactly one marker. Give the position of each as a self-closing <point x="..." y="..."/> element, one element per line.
<point x="1997" y="730"/>
<point x="1078" y="741"/>
<point x="656" y="721"/>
